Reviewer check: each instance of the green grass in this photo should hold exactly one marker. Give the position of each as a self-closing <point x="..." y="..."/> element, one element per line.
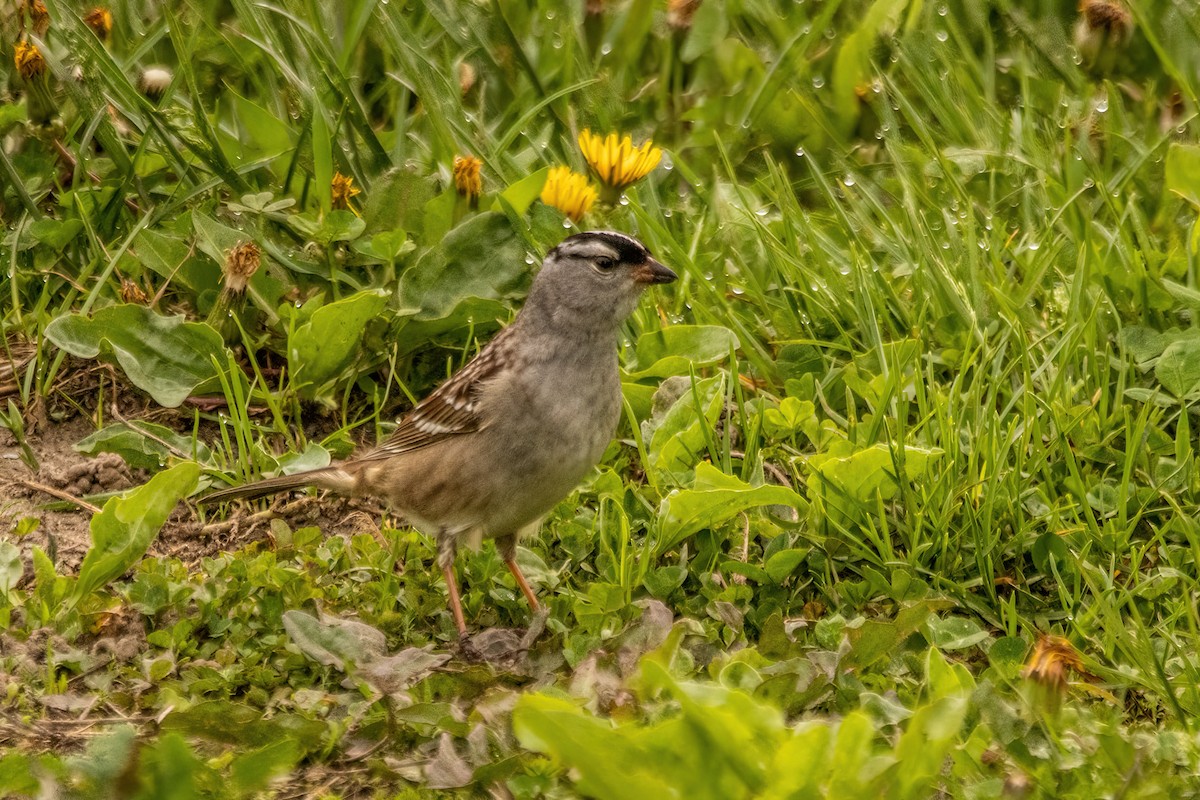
<point x="934" y="361"/>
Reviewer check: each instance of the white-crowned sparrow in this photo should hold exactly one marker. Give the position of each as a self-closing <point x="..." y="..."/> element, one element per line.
<point x="507" y="437"/>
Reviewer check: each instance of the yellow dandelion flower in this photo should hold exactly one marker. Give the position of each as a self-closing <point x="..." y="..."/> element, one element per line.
<point x="569" y="192"/>
<point x="343" y="190"/>
<point x="100" y="20"/>
<point x="616" y="162"/>
<point x="39" y="17"/>
<point x="28" y="60"/>
<point x="466" y="178"/>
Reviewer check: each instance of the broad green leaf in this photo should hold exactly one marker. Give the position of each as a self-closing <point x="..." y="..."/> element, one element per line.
<point x="483" y="257"/>
<point x="679" y="348"/>
<point x="520" y="195"/>
<point x="954" y="633"/>
<point x="144" y="445"/>
<point x="677" y="439"/>
<point x="709" y="26"/>
<point x="126" y="526"/>
<point x="557" y="727"/>
<point x="782" y="564"/>
<point x="269" y="134"/>
<point x="252" y="771"/>
<point x="170" y="257"/>
<point x="10" y="567"/>
<point x="852" y="67"/>
<point x="397" y="200"/>
<point x="167" y="357"/>
<point x="332" y="641"/>
<point x="56" y="234"/>
<point x="1142" y="343"/>
<point x="876" y="639"/>
<point x="862" y="474"/>
<point x="1178" y="368"/>
<point x="321" y="348"/>
<point x="1182" y="172"/>
<point x="234" y="723"/>
<point x="713" y="499"/>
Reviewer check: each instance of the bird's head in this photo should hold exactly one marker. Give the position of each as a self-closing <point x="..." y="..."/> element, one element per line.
<point x="595" y="278"/>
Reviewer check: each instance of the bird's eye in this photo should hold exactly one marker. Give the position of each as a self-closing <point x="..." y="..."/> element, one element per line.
<point x="605" y="263"/>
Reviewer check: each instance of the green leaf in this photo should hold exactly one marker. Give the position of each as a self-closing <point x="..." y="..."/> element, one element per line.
<point x="126" y="526"/>
<point x="520" y="195"/>
<point x="1178" y="368"/>
<point x="483" y="257"/>
<point x="10" y="568"/>
<point x="252" y="771"/>
<point x="714" y="498"/>
<point x="862" y="474"/>
<point x="557" y="727"/>
<point x="167" y="357"/>
<point x="709" y="27"/>
<point x="321" y="348"/>
<point x="171" y="258"/>
<point x="677" y="438"/>
<point x="56" y="234"/>
<point x="852" y="67"/>
<point x="322" y="158"/>
<point x="144" y="445"/>
<point x="954" y="633"/>
<point x="332" y="641"/>
<point x="233" y="723"/>
<point x="680" y="348"/>
<point x="783" y="563"/>
<point x="1182" y="172"/>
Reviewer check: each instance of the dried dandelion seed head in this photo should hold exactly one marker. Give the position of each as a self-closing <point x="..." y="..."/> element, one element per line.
<point x="467" y="181"/>
<point x="569" y="192"/>
<point x="28" y="60"/>
<point x="343" y="191"/>
<point x="241" y="263"/>
<point x="100" y="20"/>
<point x="155" y="81"/>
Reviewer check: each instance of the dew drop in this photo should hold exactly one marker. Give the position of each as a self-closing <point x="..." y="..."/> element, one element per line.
<point x="818" y="81"/>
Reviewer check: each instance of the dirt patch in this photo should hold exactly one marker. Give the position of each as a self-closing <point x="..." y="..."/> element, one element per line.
<point x="52" y="507"/>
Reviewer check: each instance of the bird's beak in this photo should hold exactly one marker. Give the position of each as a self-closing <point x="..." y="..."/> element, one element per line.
<point x="650" y="271"/>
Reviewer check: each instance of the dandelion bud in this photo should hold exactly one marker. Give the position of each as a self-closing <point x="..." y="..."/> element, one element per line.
<point x="616" y="162"/>
<point x="39" y="17"/>
<point x="466" y="178"/>
<point x="28" y="60"/>
<point x="343" y="190"/>
<point x="100" y="20"/>
<point x="1047" y="668"/>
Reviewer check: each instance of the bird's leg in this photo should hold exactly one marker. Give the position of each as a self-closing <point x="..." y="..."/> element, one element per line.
<point x="446" y="548"/>
<point x="507" y="545"/>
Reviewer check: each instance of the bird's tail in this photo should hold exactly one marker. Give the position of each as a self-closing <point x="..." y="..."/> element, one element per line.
<point x="326" y="477"/>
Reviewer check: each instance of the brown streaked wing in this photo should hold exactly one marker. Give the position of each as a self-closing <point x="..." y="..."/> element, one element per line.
<point x="452" y="408"/>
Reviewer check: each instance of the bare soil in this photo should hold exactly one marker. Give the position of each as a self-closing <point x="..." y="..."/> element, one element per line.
<point x="58" y="499"/>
